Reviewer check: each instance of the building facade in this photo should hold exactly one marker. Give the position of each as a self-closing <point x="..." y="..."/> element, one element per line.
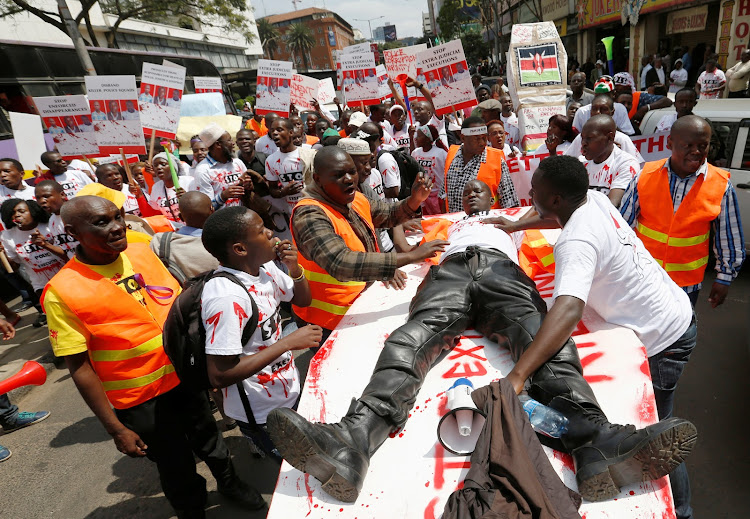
<point x="331" y="32"/>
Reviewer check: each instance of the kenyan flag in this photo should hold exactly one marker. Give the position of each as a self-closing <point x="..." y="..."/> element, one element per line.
<point x="538" y="65"/>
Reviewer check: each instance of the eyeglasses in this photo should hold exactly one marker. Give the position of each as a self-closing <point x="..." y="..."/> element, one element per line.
<point x="155" y="291"/>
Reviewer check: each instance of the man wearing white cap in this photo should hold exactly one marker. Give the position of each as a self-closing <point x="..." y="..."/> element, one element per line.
<point x="218" y="175"/>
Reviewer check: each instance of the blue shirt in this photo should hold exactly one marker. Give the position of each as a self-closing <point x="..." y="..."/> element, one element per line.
<point x="186" y="230"/>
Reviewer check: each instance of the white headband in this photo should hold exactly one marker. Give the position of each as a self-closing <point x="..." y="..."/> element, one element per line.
<point x="474" y="130"/>
<point x="427" y="132"/>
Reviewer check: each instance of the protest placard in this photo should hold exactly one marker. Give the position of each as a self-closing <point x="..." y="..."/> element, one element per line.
<point x="360" y="83"/>
<point x="68" y="120"/>
<point x="28" y="138"/>
<point x="404" y="61"/>
<point x="160" y="98"/>
<point x="114" y="113"/>
<point x="384" y="91"/>
<point x="326" y="92"/>
<point x="446" y="75"/>
<point x="273" y="92"/>
<point x="204" y="85"/>
<point x="304" y="90"/>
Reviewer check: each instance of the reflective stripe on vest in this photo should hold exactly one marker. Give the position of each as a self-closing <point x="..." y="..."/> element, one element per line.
<point x="125" y="337"/>
<point x="490" y="172"/>
<point x="679" y="240"/>
<point x="331" y="298"/>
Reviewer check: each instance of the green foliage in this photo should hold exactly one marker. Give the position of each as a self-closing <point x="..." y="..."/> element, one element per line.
<point x="301" y="41"/>
<point x="269" y="36"/>
<point x="450" y="20"/>
<point x="475" y="48"/>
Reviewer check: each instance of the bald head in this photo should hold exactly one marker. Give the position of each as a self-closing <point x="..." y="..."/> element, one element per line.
<point x="82" y="207"/>
<point x="195" y="208"/>
<point x="602" y="124"/>
<point x="690" y="142"/>
<point x="690" y="124"/>
<point x="327" y="156"/>
<point x="598" y="137"/>
<point x="98" y="225"/>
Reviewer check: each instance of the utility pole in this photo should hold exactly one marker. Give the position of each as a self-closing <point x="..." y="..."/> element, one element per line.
<point x="433" y="25"/>
<point x="75" y="35"/>
<point x="369" y="23"/>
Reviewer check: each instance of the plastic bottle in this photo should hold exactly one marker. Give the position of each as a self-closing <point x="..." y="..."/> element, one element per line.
<point x="545" y="420"/>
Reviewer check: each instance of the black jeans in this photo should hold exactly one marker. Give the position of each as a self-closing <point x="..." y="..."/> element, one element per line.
<point x="174" y="426"/>
<point x="481" y="288"/>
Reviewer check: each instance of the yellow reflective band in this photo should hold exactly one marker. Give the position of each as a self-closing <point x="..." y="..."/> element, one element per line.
<point x="685" y="267"/>
<point x="650" y="233"/>
<point x="115" y="355"/>
<point x="138" y="381"/>
<point x="330" y="280"/>
<point x="548" y="260"/>
<point x="541" y="242"/>
<point x="328" y="307"/>
<point x="687" y="242"/>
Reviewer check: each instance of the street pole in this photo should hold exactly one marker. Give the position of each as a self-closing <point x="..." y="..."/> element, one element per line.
<point x="369" y="23"/>
<point x="75" y="35"/>
<point x="497" y="33"/>
<point x="433" y="27"/>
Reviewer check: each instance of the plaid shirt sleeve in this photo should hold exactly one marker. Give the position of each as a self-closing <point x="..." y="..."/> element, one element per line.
<point x="507" y="194"/>
<point x="386" y="215"/>
<point x="316" y="240"/>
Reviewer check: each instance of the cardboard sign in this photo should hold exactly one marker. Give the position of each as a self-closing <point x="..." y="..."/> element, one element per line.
<point x="384" y="91"/>
<point x="68" y="120"/>
<point x="446" y="75"/>
<point x="304" y="90"/>
<point x="326" y="92"/>
<point x="273" y="93"/>
<point x="115" y="114"/>
<point x="28" y="138"/>
<point x="360" y="83"/>
<point x="160" y="98"/>
<point x="204" y="85"/>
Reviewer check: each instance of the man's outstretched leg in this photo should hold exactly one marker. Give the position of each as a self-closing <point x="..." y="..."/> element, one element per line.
<point x="339" y="454"/>
<point x="606" y="456"/>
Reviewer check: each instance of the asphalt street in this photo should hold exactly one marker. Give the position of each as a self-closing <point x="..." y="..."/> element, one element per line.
<point x="68" y="467"/>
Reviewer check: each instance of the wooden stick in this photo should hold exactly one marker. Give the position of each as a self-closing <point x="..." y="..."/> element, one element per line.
<point x="6" y="263"/>
<point x="125" y="165"/>
<point x="151" y="146"/>
<point x="89" y="162"/>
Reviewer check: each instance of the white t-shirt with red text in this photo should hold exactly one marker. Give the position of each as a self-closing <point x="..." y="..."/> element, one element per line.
<point x="72" y="181"/>
<point x="164" y="199"/>
<point x="286" y="168"/>
<point x="433" y="162"/>
<point x="39" y="263"/>
<point x="225" y="309"/>
<point x="709" y="82"/>
<point x="213" y="177"/>
<point x="614" y="173"/>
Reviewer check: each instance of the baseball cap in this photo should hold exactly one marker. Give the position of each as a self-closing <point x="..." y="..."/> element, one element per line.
<point x="357" y="119"/>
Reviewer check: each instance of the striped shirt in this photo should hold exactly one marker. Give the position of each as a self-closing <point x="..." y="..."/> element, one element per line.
<point x="729" y="241"/>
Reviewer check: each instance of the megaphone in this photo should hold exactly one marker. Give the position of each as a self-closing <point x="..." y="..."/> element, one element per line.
<point x="401" y="80"/>
<point x="31" y="374"/>
<point x="461" y="426"/>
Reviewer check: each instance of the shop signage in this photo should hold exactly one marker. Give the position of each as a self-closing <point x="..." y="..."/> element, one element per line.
<point x="687" y="20"/>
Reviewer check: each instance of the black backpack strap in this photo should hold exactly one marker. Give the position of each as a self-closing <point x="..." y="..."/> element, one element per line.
<point x="165" y="249"/>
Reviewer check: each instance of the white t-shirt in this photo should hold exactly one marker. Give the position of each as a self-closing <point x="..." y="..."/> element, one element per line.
<point x="433" y="162"/>
<point x="401" y="137"/>
<point x="389" y="169"/>
<point x="286" y="168"/>
<point x="665" y="123"/>
<point x="225" y="309"/>
<point x="212" y="177"/>
<point x="440" y="125"/>
<point x="375" y="181"/>
<point x="265" y="145"/>
<point x="72" y="181"/>
<point x="615" y="172"/>
<point x="621" y="140"/>
<point x="561" y="148"/>
<point x="710" y="81"/>
<point x="24" y="194"/>
<point x="512" y="133"/>
<point x="165" y="199"/>
<point x="131" y="202"/>
<point x="679" y="76"/>
<point x="59" y="237"/>
<point x="600" y="260"/>
<point x="39" y="263"/>
<point x="621" y="118"/>
<point x="473" y="231"/>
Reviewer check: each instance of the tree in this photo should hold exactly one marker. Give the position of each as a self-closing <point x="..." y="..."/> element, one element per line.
<point x="300" y="40"/>
<point x="269" y="36"/>
<point x="450" y="19"/>
<point x="475" y="48"/>
<point x="224" y="14"/>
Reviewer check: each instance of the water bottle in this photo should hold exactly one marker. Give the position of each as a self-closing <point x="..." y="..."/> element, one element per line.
<point x="545" y="420"/>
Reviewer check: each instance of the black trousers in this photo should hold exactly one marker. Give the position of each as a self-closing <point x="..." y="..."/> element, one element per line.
<point x="482" y="288"/>
<point x="175" y="426"/>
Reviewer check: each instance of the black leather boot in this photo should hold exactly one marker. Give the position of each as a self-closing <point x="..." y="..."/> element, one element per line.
<point x="337" y="455"/>
<point x="608" y="456"/>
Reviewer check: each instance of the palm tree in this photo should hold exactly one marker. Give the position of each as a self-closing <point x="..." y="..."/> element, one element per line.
<point x="269" y="37"/>
<point x="301" y="40"/>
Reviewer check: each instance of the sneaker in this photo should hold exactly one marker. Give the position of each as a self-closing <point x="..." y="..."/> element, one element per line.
<point x="4" y="453"/>
<point x="40" y="321"/>
<point x="25" y="419"/>
<point x="23" y="306"/>
<point x="242" y="493"/>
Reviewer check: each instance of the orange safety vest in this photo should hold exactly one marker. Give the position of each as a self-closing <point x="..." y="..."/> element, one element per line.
<point x="311" y="139"/>
<point x="634" y="108"/>
<point x="678" y="241"/>
<point x="125" y="344"/>
<point x="535" y="255"/>
<point x="159" y="223"/>
<point x="490" y="172"/>
<point x="252" y="124"/>
<point x="331" y="298"/>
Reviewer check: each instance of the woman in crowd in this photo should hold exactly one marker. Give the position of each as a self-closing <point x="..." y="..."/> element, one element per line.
<point x="164" y="196"/>
<point x="431" y="154"/>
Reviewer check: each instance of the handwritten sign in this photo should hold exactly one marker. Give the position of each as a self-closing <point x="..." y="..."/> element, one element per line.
<point x="403" y="61"/>
<point x="273" y="93"/>
<point x="304" y="90"/>
<point x="160" y="98"/>
<point x="115" y="114"/>
<point x="68" y="121"/>
<point x="447" y="77"/>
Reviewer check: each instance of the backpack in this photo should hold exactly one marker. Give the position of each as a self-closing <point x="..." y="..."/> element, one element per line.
<point x="408" y="167"/>
<point x="165" y="248"/>
<point x="184" y="336"/>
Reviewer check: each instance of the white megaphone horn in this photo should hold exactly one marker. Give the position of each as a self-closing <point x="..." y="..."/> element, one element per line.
<point x="461" y="426"/>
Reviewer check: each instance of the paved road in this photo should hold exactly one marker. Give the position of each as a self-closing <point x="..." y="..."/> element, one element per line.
<point x="67" y="466"/>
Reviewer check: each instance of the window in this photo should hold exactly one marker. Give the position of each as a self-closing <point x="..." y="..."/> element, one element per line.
<point x="322" y="42"/>
<point x="320" y="29"/>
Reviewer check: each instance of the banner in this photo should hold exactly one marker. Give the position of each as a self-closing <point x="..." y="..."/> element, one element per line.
<point x="447" y="77"/>
<point x="114" y="113"/>
<point x="68" y="120"/>
<point x="384" y="91"/>
<point x="360" y="84"/>
<point x="28" y="138"/>
<point x="273" y="91"/>
<point x="537" y="75"/>
<point x="160" y="98"/>
<point x="403" y="61"/>
<point x="304" y="90"/>
<point x="204" y="85"/>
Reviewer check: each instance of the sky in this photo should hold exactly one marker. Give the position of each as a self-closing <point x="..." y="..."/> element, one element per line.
<point x="406" y="15"/>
